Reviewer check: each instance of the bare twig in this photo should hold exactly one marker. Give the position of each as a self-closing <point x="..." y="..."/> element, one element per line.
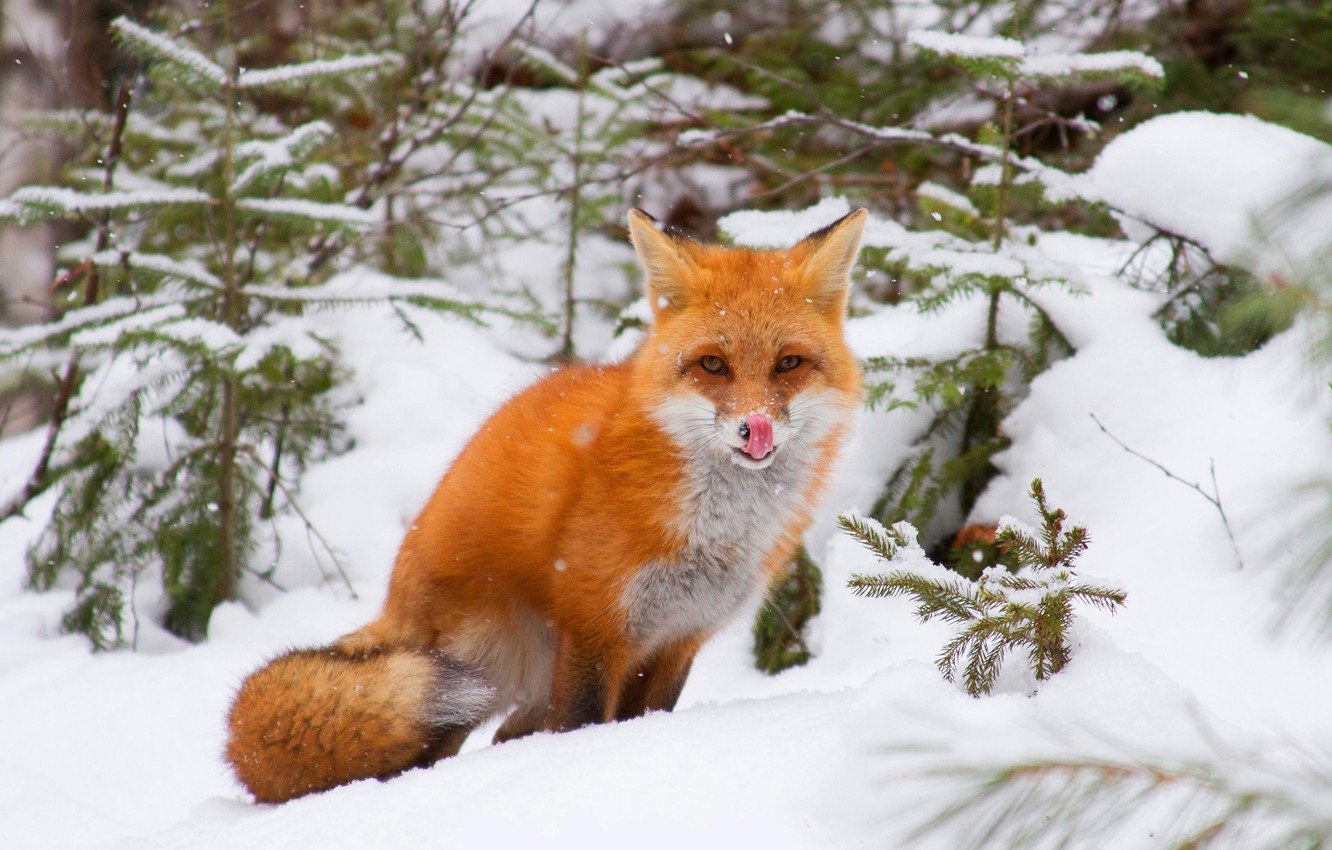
<point x="310" y="528"/>
<point x="1214" y="497"/>
<point x="396" y="150"/>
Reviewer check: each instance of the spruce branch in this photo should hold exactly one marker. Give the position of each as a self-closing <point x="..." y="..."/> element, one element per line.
<point x="779" y="627"/>
<point x="155" y="46"/>
<point x="1061" y="802"/>
<point x="873" y="535"/>
<point x="210" y="191"/>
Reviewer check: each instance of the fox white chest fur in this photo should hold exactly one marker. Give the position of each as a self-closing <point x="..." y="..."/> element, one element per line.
<point x="731" y="517"/>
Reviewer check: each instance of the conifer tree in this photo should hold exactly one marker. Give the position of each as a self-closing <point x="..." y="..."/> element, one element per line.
<point x="1030" y="607"/>
<point x="969" y="249"/>
<point x="224" y="204"/>
<point x="202" y="393"/>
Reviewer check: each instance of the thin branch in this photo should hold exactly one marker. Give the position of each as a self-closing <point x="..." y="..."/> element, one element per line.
<point x="396" y="154"/>
<point x="817" y="172"/>
<point x="1214" y="497"/>
<point x="310" y="527"/>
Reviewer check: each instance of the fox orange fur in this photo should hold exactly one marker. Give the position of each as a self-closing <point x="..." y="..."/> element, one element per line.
<point x="593" y="534"/>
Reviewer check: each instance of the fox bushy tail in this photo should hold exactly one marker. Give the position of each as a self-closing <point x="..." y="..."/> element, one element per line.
<point x="313" y="719"/>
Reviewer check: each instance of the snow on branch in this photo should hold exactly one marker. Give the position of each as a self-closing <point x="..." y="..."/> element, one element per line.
<point x="285" y="75"/>
<point x="1059" y="185"/>
<point x="340" y="215"/>
<point x="267" y="157"/>
<point x="1008" y="58"/>
<point x="157" y="264"/>
<point x="168" y="324"/>
<point x="552" y="63"/>
<point x="30" y="201"/>
<point x="157" y="46"/>
<point x="359" y="287"/>
<point x="364" y="287"/>
<point x="967" y="46"/>
<point x="160" y="47"/>
<point x="19" y="340"/>
<point x="1116" y="63"/>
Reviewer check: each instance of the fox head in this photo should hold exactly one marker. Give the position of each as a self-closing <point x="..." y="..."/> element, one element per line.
<point x="746" y="358"/>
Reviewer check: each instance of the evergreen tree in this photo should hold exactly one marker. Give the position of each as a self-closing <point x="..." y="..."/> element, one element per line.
<point x="1004" y="610"/>
<point x="970" y="393"/>
<point x="197" y="392"/>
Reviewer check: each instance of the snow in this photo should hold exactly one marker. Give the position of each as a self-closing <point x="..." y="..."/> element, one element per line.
<point x="947" y="197"/>
<point x="279" y="154"/>
<point x="68" y="201"/>
<point x="859" y="746"/>
<point x="1032" y="63"/>
<point x="166" y="266"/>
<point x="1232" y="183"/>
<point x="13" y="340"/>
<point x="160" y="46"/>
<point x="1065" y="65"/>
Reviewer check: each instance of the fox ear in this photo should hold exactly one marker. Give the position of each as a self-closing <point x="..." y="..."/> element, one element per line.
<point x="665" y="259"/>
<point x="831" y="254"/>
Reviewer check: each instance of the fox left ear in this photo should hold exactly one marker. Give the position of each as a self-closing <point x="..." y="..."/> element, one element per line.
<point x="665" y="260"/>
<point x="832" y="253"/>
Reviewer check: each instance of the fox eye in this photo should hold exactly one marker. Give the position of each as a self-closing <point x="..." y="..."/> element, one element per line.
<point x="713" y="365"/>
<point x="789" y="362"/>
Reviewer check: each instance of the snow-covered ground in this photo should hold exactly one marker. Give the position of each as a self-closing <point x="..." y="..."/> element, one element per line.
<point x="123" y="749"/>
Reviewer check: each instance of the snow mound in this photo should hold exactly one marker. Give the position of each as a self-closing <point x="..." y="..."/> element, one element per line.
<point x="1246" y="190"/>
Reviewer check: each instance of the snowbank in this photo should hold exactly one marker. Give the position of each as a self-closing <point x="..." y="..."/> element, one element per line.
<point x="1250" y="192"/>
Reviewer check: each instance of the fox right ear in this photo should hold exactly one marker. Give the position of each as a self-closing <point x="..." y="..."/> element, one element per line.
<point x="665" y="260"/>
<point x="832" y="253"/>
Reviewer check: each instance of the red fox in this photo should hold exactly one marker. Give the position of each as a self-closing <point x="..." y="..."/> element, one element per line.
<point x="593" y="534"/>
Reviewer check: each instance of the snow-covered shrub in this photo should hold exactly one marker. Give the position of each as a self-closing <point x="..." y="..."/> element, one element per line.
<point x="1030" y="607"/>
<point x="193" y="387"/>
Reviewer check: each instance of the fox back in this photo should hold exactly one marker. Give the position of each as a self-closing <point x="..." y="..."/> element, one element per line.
<point x="607" y="520"/>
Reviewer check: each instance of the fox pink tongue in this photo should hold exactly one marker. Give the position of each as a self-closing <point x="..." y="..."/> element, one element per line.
<point x="760" y="436"/>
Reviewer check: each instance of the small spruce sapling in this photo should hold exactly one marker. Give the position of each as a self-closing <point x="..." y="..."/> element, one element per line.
<point x="1028" y="608"/>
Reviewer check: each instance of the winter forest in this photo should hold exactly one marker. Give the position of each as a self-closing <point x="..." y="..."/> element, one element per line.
<point x="266" y="266"/>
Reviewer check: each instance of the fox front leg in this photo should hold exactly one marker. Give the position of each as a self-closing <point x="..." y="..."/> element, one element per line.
<point x="521" y="722"/>
<point x="656" y="683"/>
<point x="585" y="685"/>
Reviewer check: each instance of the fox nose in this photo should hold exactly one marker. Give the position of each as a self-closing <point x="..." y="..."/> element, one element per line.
<point x="756" y="431"/>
